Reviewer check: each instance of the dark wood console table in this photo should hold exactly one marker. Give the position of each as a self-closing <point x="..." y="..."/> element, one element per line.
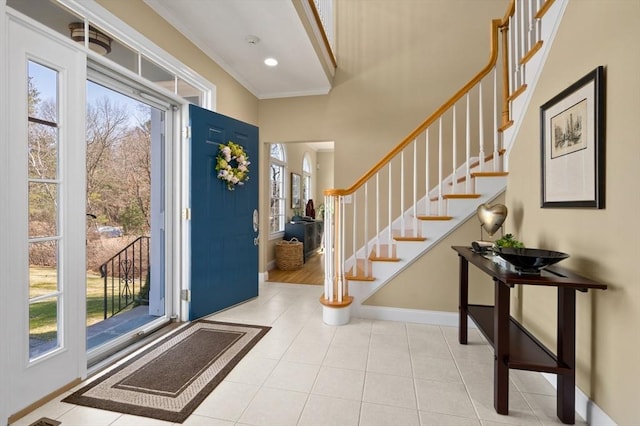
<point x="514" y="346"/>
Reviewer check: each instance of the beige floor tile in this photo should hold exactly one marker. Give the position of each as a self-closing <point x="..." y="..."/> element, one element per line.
<point x="339" y="383"/>
<point x="384" y="415"/>
<point x="274" y="407"/>
<point x="438" y="369"/>
<point x="252" y="370"/>
<point x="326" y="411"/>
<point x="438" y="419"/>
<point x="128" y="420"/>
<point x="444" y="398"/>
<point x="83" y="416"/>
<point x="389" y="390"/>
<point x="195" y="420"/>
<point x="345" y="356"/>
<point x="544" y="407"/>
<point x="228" y="401"/>
<point x="292" y="376"/>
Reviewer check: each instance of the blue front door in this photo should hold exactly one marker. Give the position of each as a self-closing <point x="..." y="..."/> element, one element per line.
<point x="224" y="256"/>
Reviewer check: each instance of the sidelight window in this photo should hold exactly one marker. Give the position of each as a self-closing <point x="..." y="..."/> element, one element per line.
<point x="46" y="288"/>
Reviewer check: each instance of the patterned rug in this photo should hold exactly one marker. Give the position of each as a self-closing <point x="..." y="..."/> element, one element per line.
<point x="171" y="378"/>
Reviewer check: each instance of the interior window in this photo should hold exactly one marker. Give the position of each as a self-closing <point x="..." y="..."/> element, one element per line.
<point x="278" y="200"/>
<point x="306" y="179"/>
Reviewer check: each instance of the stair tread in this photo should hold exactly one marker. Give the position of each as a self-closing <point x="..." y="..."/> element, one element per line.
<point x="481" y="174"/>
<point x="410" y="234"/>
<point x="358" y="273"/>
<point x="455" y="196"/>
<point x="434" y="217"/>
<point x="387" y="254"/>
<point x="409" y="238"/>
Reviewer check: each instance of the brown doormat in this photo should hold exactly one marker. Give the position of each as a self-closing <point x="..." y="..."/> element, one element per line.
<point x="171" y="378"/>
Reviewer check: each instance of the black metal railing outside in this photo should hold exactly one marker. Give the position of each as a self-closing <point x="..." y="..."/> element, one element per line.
<point x="126" y="277"/>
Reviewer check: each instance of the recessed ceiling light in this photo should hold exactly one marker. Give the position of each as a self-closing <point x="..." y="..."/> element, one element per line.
<point x="271" y="62"/>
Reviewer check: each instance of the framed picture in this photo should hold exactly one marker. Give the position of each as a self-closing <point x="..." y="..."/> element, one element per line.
<point x="295" y="191"/>
<point x="572" y="133"/>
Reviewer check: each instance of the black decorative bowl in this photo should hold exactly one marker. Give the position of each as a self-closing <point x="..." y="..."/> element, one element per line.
<point x="530" y="260"/>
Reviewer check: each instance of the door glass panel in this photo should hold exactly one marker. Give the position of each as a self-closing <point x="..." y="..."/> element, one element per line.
<point x="43" y="92"/>
<point x="43" y="273"/>
<point x="45" y="288"/>
<point x="43" y="150"/>
<point x="43" y="326"/>
<point x="43" y="200"/>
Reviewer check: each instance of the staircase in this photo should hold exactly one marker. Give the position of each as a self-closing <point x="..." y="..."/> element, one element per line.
<point x="434" y="180"/>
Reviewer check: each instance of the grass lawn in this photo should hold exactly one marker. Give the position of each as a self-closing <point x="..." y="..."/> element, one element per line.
<point x="42" y="315"/>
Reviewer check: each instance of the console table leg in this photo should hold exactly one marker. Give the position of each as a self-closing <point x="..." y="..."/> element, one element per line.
<point x="566" y="396"/>
<point x="464" y="300"/>
<point x="501" y="323"/>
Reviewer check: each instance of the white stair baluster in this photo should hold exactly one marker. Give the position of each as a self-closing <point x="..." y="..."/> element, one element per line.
<point x="415" y="188"/>
<point x="440" y="213"/>
<point x="454" y="155"/>
<point x="426" y="172"/>
<point x="468" y="147"/>
<point x="402" y="227"/>
<point x="481" y="127"/>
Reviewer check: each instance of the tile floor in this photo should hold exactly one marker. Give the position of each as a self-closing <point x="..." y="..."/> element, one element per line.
<point x="368" y="372"/>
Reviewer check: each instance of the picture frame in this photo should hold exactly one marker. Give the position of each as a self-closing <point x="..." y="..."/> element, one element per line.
<point x="296" y="202"/>
<point x="572" y="143"/>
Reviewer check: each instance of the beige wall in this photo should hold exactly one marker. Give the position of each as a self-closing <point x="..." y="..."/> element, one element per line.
<point x="325" y="171"/>
<point x="603" y="244"/>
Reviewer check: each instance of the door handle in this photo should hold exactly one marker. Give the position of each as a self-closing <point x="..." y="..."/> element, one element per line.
<point x="256" y="226"/>
<point x="256" y="220"/>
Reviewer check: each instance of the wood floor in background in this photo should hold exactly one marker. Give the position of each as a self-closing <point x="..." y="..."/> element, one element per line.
<point x="312" y="272"/>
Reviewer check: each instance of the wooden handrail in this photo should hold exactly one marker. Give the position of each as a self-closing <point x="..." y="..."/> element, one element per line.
<point x="325" y="39"/>
<point x="544" y="8"/>
<point x="510" y="11"/>
<point x="493" y="57"/>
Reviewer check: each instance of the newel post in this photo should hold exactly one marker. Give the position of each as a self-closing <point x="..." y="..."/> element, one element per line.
<point x="335" y="299"/>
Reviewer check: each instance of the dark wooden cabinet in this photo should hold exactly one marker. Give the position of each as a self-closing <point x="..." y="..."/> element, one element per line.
<point x="308" y="233"/>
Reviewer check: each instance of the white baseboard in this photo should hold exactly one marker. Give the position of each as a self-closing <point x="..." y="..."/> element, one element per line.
<point x="449" y="319"/>
<point x="271" y="265"/>
<point x="586" y="408"/>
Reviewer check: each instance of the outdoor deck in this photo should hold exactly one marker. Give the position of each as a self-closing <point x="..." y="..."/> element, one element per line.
<point x="117" y="325"/>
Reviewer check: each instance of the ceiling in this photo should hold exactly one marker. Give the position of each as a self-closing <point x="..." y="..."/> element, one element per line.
<point x="223" y="31"/>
